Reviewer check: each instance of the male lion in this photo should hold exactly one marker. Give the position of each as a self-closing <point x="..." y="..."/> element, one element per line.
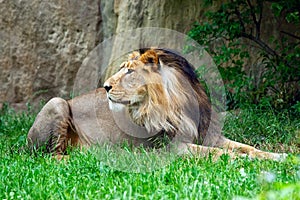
<point x="154" y="95"/>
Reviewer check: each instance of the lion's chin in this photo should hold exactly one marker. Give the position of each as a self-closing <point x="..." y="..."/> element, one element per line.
<point x="115" y="106"/>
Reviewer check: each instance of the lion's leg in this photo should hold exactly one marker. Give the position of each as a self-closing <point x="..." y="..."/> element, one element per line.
<point x="203" y="151"/>
<point x="218" y="140"/>
<point x="51" y="126"/>
<point x="229" y="147"/>
<point x="251" y="151"/>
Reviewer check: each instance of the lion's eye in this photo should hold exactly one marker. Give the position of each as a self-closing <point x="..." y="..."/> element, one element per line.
<point x="129" y="71"/>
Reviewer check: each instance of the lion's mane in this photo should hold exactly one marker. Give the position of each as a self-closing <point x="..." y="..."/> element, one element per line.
<point x="174" y="94"/>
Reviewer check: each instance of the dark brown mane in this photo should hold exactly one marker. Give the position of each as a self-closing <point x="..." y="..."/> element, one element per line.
<point x="175" y="60"/>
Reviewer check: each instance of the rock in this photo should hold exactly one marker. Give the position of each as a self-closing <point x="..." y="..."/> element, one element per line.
<point x="42" y="45"/>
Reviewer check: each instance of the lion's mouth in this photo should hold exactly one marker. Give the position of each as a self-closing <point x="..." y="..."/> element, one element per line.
<point x="118" y="101"/>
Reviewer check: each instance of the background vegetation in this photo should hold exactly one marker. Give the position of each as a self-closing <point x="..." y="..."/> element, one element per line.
<point x="237" y="33"/>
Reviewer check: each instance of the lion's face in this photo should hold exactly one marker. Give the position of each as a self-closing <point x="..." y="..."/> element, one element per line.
<point x="130" y="85"/>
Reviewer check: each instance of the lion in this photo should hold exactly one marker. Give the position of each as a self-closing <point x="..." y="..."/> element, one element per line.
<point x="155" y="94"/>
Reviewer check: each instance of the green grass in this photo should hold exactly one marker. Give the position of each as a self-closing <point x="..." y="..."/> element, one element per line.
<point x="265" y="130"/>
<point x="85" y="176"/>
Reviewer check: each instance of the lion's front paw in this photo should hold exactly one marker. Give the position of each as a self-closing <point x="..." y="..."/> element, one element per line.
<point x="266" y="155"/>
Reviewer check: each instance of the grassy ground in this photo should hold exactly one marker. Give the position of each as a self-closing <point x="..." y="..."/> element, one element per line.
<point x="85" y="176"/>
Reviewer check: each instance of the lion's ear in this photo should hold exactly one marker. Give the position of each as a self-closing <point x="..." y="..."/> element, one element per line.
<point x="149" y="56"/>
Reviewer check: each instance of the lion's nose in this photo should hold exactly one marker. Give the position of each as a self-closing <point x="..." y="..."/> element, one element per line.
<point x="107" y="88"/>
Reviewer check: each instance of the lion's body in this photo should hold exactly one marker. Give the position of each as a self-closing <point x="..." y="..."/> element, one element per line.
<point x="156" y="92"/>
<point x="76" y="122"/>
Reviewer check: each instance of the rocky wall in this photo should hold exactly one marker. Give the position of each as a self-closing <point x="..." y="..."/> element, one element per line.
<point x="43" y="43"/>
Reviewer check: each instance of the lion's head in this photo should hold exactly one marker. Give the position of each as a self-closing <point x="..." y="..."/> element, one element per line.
<point x="161" y="92"/>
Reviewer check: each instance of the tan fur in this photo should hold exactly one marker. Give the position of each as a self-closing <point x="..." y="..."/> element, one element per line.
<point x="155" y="91"/>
